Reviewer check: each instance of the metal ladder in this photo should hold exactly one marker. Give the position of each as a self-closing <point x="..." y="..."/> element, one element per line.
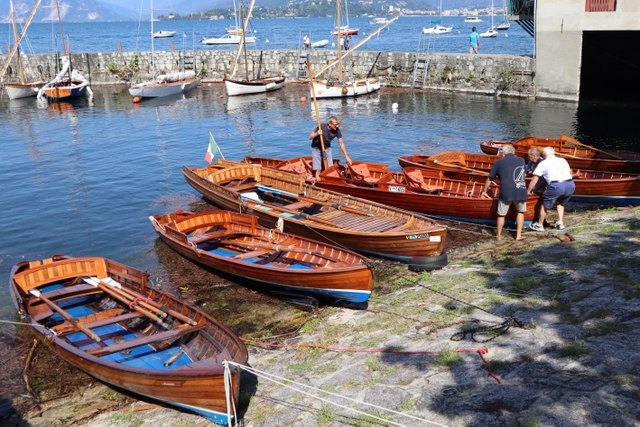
<point x="421" y="65"/>
<point x="301" y="71"/>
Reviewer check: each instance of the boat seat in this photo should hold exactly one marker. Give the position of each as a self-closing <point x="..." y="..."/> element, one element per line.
<point x="360" y="173"/>
<point x="415" y="181"/>
<point x="299" y="166"/>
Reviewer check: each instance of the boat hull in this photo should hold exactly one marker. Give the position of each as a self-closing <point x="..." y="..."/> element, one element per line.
<point x="66" y="89"/>
<point x="233" y="39"/>
<point x="437" y="29"/>
<point x="262" y="85"/>
<point x="577" y="157"/>
<point x="413" y="236"/>
<point x="23" y="90"/>
<point x="330" y="89"/>
<point x="314" y="273"/>
<point x="193" y="383"/>
<point x="158" y="90"/>
<point x="597" y="187"/>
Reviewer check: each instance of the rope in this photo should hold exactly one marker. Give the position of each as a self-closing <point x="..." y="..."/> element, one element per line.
<point x="228" y="387"/>
<point x="285" y="383"/>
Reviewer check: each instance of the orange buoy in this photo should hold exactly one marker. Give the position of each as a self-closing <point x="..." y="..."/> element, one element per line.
<point x="303" y="99"/>
<point x="136" y="100"/>
<point x="221" y="96"/>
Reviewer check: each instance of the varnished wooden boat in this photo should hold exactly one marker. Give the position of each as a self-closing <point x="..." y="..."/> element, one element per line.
<point x="131" y="336"/>
<point x="607" y="188"/>
<point x="579" y="157"/>
<point x="234" y="243"/>
<point x="277" y="196"/>
<point x="414" y="189"/>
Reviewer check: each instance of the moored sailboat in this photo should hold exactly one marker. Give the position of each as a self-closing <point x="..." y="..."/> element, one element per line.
<point x="247" y="85"/>
<point x="165" y="84"/>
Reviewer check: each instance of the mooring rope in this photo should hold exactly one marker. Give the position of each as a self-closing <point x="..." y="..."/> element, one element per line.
<point x="285" y="382"/>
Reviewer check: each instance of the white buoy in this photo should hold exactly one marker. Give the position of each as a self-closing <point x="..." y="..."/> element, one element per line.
<point x="506" y="35"/>
<point x="267" y="40"/>
<point x="394" y="106"/>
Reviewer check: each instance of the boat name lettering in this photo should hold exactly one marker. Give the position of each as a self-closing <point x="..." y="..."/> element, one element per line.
<point x="394" y="189"/>
<point x="418" y="236"/>
<point x="435" y="239"/>
<point x="170" y="383"/>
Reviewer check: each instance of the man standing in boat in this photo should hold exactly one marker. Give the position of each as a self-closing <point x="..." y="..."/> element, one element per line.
<point x="330" y="131"/>
<point x="513" y="189"/>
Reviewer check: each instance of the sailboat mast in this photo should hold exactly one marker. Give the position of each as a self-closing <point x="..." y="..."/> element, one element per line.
<point x="22" y="33"/>
<point x="244" y="42"/>
<point x="339" y="44"/>
<point x="15" y="37"/>
<point x="153" y="59"/>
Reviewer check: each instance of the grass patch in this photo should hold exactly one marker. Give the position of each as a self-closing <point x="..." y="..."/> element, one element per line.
<point x="575" y="349"/>
<point x="606" y="327"/>
<point x="128" y="419"/>
<point x="497" y="364"/>
<point x="624" y="380"/>
<point x="447" y="358"/>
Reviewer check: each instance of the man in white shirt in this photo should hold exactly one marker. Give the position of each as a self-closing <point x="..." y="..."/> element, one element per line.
<point x="560" y="188"/>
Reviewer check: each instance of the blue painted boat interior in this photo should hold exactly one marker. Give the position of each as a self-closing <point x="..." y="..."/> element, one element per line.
<point x="144" y="357"/>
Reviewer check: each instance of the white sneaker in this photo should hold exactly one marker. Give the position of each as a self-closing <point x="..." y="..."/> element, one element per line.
<point x="536" y="227"/>
<point x="559" y="225"/>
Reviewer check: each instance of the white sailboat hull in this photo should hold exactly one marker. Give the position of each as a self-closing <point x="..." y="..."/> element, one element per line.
<point x="244" y="87"/>
<point x="23" y="90"/>
<point x="437" y="29"/>
<point x="228" y="39"/>
<point x="158" y="90"/>
<point x="327" y="89"/>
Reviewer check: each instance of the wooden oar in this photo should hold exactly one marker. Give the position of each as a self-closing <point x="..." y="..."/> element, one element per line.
<point x="277" y="248"/>
<point x="451" y="165"/>
<point x="570" y="140"/>
<point x="145" y="302"/>
<point x="66" y="315"/>
<point x="294" y="212"/>
<point x="111" y="291"/>
<point x="315" y="104"/>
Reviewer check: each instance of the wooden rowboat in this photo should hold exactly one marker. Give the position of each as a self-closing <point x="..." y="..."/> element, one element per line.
<point x="607" y="188"/>
<point x="104" y="318"/>
<point x="234" y="243"/>
<point x="281" y="197"/>
<point x="413" y="189"/>
<point x="578" y="156"/>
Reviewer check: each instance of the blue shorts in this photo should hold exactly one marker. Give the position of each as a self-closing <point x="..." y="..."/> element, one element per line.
<point x="316" y="156"/>
<point x="558" y="192"/>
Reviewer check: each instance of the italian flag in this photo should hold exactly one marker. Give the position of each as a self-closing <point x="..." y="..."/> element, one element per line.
<point x="212" y="150"/>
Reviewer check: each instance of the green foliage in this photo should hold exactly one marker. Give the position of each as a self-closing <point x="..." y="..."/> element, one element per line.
<point x="447" y="358"/>
<point x="127" y="71"/>
<point x="574" y="349"/>
<point x="506" y="79"/>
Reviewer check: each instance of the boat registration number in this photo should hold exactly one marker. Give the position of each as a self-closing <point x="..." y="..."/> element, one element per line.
<point x="394" y="189"/>
<point x="424" y="236"/>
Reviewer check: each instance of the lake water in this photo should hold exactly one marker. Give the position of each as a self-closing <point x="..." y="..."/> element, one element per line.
<point x="81" y="179"/>
<point x="404" y="35"/>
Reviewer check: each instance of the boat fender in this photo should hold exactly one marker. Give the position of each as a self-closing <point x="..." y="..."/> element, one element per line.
<point x="271" y="85"/>
<point x="355" y="88"/>
<point x="368" y="87"/>
<point x="183" y="86"/>
<point x="345" y="90"/>
<point x="429" y="262"/>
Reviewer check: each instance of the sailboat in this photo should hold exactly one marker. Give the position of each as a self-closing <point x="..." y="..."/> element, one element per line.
<point x="237" y="28"/>
<point x="341" y="88"/>
<point x="504" y="25"/>
<point x="437" y="28"/>
<point x="23" y="89"/>
<point x="249" y="86"/>
<point x="165" y="84"/>
<point x="491" y="32"/>
<point x="345" y="30"/>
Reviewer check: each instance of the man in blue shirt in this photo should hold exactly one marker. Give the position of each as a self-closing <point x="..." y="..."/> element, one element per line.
<point x="513" y="189"/>
<point x="474" y="41"/>
<point x="330" y="131"/>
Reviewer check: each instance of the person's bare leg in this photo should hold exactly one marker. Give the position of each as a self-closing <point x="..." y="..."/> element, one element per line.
<point x="560" y="209"/>
<point x="543" y="215"/>
<point x="519" y="225"/>
<point x="500" y="222"/>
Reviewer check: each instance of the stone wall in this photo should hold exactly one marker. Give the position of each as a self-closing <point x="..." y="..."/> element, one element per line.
<point x="488" y="74"/>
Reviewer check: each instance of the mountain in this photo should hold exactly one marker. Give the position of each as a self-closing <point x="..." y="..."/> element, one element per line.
<point x="118" y="10"/>
<point x="70" y="10"/>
